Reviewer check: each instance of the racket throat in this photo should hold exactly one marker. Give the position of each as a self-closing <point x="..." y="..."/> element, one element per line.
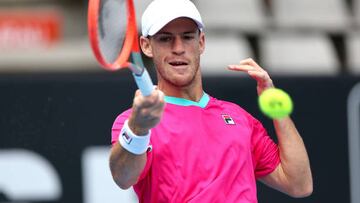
<point x="136" y="69"/>
<point x="138" y="66"/>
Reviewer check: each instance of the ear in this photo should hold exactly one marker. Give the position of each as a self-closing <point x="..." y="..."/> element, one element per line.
<point x="145" y="46"/>
<point x="202" y="42"/>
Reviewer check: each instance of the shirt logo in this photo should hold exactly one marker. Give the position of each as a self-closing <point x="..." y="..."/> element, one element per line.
<point x="228" y="120"/>
<point x="126" y="137"/>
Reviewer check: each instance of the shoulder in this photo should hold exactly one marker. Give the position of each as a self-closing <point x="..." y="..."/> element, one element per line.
<point x="234" y="109"/>
<point x="118" y="124"/>
<point x="228" y="105"/>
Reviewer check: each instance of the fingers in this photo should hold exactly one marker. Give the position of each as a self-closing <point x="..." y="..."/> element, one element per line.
<point x="244" y="68"/>
<point x="250" y="62"/>
<point x="260" y="76"/>
<point x="251" y="67"/>
<point x="152" y="105"/>
<point x="140" y="101"/>
<point x="147" y="110"/>
<point x="255" y="71"/>
<point x="245" y="65"/>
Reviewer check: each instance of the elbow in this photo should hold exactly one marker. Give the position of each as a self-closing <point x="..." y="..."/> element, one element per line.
<point x="301" y="192"/>
<point x="123" y="182"/>
<point x="123" y="186"/>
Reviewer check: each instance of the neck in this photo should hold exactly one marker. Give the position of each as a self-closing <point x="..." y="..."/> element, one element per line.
<point x="193" y="91"/>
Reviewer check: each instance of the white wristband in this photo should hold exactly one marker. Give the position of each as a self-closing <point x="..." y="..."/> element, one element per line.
<point x="133" y="143"/>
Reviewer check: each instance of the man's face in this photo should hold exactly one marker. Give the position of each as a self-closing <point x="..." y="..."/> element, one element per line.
<point x="176" y="50"/>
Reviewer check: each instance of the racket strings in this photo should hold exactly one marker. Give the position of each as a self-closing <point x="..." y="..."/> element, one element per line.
<point x="112" y="28"/>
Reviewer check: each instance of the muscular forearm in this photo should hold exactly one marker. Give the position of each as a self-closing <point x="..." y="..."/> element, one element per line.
<point x="293" y="175"/>
<point x="295" y="164"/>
<point x="125" y="166"/>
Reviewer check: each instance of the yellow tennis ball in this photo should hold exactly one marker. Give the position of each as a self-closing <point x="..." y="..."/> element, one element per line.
<point x="275" y="103"/>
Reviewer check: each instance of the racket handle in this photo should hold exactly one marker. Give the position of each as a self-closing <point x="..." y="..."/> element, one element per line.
<point x="144" y="83"/>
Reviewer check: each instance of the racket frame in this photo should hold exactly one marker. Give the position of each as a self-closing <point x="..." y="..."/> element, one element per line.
<point x="129" y="41"/>
<point x="130" y="46"/>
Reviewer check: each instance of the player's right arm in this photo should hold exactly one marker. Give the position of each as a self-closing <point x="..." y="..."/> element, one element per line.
<point x="125" y="166"/>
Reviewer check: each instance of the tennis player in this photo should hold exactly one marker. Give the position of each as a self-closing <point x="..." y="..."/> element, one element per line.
<point x="182" y="145"/>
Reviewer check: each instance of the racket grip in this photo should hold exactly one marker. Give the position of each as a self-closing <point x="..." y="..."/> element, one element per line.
<point x="144" y="83"/>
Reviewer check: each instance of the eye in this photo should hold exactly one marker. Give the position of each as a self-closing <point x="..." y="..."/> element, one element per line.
<point x="164" y="38"/>
<point x="188" y="37"/>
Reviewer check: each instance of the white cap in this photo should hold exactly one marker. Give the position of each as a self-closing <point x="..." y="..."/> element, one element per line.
<point x="161" y="12"/>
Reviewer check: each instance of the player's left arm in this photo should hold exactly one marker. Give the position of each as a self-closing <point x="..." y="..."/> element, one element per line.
<point x="293" y="174"/>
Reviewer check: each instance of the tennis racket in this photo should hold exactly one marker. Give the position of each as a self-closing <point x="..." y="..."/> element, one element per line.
<point x="114" y="38"/>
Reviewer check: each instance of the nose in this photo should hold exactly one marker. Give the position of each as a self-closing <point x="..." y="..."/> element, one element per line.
<point x="178" y="46"/>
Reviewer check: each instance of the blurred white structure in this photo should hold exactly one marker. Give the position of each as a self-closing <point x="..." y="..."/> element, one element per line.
<point x="294" y="53"/>
<point x="221" y="51"/>
<point x="357" y="11"/>
<point x="353" y="117"/>
<point x="238" y="15"/>
<point x="68" y="56"/>
<point x="140" y="6"/>
<point x="99" y="186"/>
<point x="353" y="52"/>
<point x="27" y="176"/>
<point x="328" y="15"/>
<point x="226" y="22"/>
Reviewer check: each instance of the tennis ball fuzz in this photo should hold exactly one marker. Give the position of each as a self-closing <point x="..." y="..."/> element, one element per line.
<point x="275" y="103"/>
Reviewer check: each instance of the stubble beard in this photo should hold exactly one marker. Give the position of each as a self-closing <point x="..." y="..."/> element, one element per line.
<point x="179" y="81"/>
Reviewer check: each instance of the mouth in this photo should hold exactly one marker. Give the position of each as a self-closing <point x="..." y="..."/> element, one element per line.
<point x="178" y="63"/>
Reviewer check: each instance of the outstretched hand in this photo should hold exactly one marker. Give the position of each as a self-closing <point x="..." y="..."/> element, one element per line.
<point x="146" y="111"/>
<point x="255" y="71"/>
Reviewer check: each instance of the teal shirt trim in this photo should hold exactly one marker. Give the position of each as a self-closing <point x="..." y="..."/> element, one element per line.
<point x="185" y="102"/>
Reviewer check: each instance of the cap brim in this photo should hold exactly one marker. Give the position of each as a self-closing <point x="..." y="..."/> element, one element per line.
<point x="156" y="28"/>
